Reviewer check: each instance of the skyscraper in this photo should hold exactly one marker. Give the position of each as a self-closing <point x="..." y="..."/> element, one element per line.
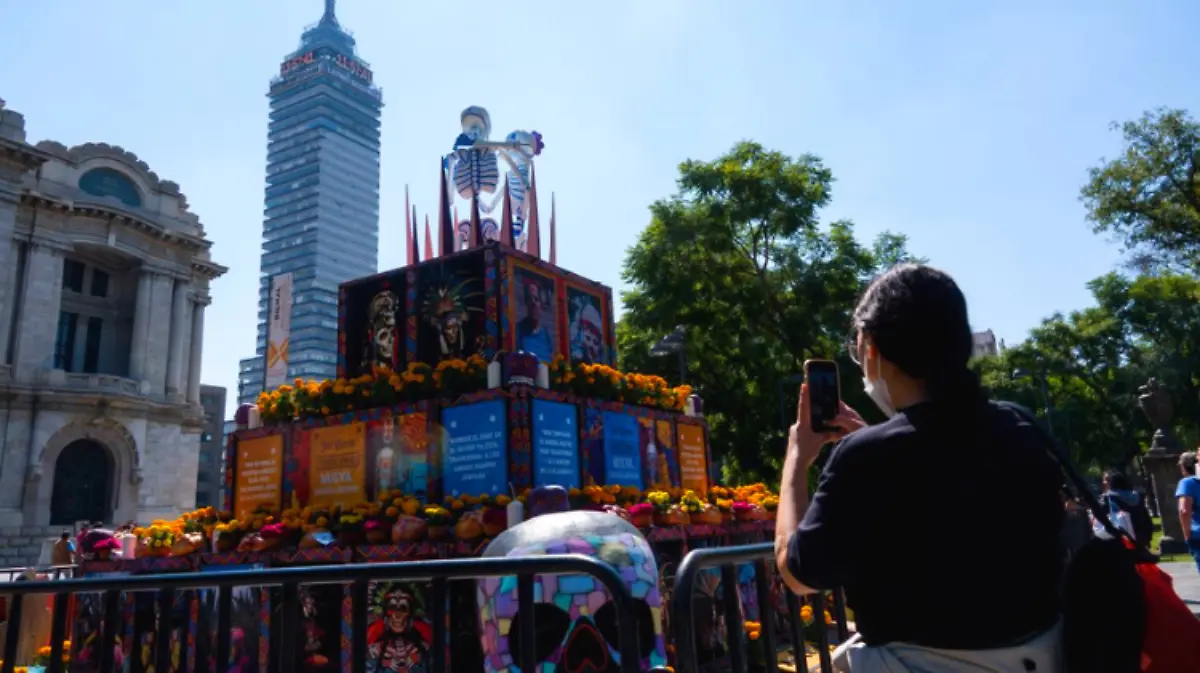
<point x="321" y="210"/>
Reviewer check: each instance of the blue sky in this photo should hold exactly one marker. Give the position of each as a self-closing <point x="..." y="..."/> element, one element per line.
<point x="968" y="126"/>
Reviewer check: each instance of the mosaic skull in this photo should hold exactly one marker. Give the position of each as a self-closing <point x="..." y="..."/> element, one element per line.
<point x="576" y="622"/>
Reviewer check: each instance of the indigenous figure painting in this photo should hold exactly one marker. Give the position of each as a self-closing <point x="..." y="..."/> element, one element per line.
<point x="452" y="322"/>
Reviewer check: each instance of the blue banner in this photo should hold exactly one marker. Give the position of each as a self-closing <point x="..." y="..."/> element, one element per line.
<point x="555" y="444"/>
<point x="622" y="450"/>
<point x="475" y="460"/>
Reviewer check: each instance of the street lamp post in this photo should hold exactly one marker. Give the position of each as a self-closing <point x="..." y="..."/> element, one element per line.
<point x="674" y="343"/>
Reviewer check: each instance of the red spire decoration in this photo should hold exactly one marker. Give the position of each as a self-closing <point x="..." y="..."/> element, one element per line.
<point x="428" y="240"/>
<point x="414" y="251"/>
<point x="553" y="244"/>
<point x="445" y="226"/>
<point x="533" y="244"/>
<point x="408" y="231"/>
<point x="475" y="236"/>
<point x="506" y="235"/>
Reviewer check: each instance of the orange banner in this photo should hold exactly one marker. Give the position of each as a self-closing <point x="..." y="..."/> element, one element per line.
<point x="338" y="467"/>
<point x="259" y="471"/>
<point x="693" y="460"/>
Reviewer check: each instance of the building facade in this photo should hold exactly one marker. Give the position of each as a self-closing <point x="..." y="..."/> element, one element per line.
<point x="985" y="344"/>
<point x="210" y="471"/>
<point x="321" y="209"/>
<point x="104" y="278"/>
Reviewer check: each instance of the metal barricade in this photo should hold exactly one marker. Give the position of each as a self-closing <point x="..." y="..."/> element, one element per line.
<point x="762" y="556"/>
<point x="440" y="573"/>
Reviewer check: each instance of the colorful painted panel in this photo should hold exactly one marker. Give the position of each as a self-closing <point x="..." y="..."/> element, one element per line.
<point x="372" y="316"/>
<point x="451" y="305"/>
<point x="320" y="623"/>
<point x="398" y="454"/>
<point x="586" y="323"/>
<point x="693" y="457"/>
<point x="533" y="297"/>
<point x="399" y="633"/>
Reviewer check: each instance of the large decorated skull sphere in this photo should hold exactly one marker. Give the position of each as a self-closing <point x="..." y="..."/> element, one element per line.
<point x="577" y="623"/>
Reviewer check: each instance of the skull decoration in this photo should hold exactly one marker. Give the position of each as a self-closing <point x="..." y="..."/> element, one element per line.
<point x="548" y="500"/>
<point x="577" y="623"/>
<point x="382" y="338"/>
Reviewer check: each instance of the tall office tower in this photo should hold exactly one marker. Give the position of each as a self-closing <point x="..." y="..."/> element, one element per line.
<point x="321" y="212"/>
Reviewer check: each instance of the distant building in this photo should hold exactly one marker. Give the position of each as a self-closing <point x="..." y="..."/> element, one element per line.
<point x="985" y="344"/>
<point x="210" y="469"/>
<point x="104" y="280"/>
<point x="321" y="209"/>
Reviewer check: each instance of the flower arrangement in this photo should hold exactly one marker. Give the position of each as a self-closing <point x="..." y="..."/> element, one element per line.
<point x="156" y="540"/>
<point x="439" y="519"/>
<point x="457" y="377"/>
<point x="604" y="382"/>
<point x="104" y="548"/>
<point x="42" y="658"/>
<point x="659" y="500"/>
<point x="641" y="514"/>
<point x="690" y="502"/>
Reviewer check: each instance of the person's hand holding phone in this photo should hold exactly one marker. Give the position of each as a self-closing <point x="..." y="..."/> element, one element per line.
<point x="807" y="442"/>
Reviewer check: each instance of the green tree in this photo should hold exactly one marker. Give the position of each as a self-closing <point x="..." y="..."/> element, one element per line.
<point x="740" y="258"/>
<point x="1149" y="197"/>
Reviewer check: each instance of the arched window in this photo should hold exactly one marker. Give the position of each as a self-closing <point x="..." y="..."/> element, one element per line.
<point x="110" y="182"/>
<point x="83" y="479"/>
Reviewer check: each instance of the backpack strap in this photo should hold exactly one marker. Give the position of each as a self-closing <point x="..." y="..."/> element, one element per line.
<point x="1064" y="464"/>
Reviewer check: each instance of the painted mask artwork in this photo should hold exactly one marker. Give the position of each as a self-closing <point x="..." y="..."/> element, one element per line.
<point x="548" y="500"/>
<point x="381" y="336"/>
<point x="448" y="308"/>
<point x="398" y="635"/>
<point x="577" y="623"/>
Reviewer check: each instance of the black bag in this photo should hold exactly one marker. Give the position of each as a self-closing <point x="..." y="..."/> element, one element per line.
<point x="1104" y="608"/>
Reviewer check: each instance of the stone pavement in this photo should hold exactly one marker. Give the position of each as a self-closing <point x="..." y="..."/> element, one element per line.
<point x="1187" y="583"/>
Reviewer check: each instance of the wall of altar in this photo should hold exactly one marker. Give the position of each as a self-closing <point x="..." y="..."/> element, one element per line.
<point x="493" y="441"/>
<point x="477" y="301"/>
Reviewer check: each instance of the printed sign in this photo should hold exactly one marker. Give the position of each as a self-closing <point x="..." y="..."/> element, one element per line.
<point x="476" y="461"/>
<point x="555" y="444"/>
<point x="338" y="471"/>
<point x="259" y="475"/>
<point x="693" y="461"/>
<point x="279" y="331"/>
<point x="622" y="450"/>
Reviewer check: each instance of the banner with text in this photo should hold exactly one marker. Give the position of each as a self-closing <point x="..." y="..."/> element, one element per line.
<point x="476" y="461"/>
<point x="693" y="462"/>
<point x="338" y="472"/>
<point x="555" y="444"/>
<point x="279" y="331"/>
<point x="622" y="450"/>
<point x="259" y="470"/>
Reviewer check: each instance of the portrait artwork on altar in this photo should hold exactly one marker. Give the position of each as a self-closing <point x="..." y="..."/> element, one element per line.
<point x="534" y="324"/>
<point x="586" y="321"/>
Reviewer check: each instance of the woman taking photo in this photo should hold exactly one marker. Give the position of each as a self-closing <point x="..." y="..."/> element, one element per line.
<point x="942" y="523"/>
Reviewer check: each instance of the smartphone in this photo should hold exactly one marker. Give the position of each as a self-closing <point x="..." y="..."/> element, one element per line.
<point x="824" y="393"/>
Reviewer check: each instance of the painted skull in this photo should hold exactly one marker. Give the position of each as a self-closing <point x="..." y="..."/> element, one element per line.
<point x="476" y="123"/>
<point x="382" y="320"/>
<point x="577" y="623"/>
<point x="548" y="500"/>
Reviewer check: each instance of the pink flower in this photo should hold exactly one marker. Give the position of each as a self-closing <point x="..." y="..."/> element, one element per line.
<point x="641" y="508"/>
<point x="272" y="530"/>
<point x="109" y="543"/>
<point x="374" y="525"/>
<point x="742" y="506"/>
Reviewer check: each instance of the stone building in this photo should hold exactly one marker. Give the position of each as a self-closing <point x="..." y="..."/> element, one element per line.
<point x="104" y="276"/>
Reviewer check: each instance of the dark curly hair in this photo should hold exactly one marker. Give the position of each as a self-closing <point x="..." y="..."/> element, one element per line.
<point x="917" y="317"/>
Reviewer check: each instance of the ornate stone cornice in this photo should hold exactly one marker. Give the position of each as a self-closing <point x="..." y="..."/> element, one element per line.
<point x="200" y="299"/>
<point x="208" y="269"/>
<point x="26" y="156"/>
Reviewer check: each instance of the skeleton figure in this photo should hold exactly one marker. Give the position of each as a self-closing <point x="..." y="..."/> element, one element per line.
<point x="475" y="168"/>
<point x="576" y="622"/>
<point x="381" y="332"/>
<point x="398" y="641"/>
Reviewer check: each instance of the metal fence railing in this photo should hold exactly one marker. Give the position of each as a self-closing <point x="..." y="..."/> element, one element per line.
<point x="762" y="557"/>
<point x="52" y="572"/>
<point x="288" y="581"/>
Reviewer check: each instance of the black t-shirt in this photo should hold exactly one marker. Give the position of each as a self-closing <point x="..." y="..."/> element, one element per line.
<point x="943" y="532"/>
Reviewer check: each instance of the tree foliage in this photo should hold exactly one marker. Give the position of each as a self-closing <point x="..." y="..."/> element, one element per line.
<point x="1094" y="361"/>
<point x="1150" y="196"/>
<point x="740" y="258"/>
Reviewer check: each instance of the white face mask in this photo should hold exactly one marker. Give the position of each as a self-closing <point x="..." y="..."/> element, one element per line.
<point x="878" y="393"/>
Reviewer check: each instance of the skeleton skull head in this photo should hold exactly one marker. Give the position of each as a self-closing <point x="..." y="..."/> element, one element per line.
<point x="476" y="123"/>
<point x="382" y="319"/>
<point x="577" y="623"/>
